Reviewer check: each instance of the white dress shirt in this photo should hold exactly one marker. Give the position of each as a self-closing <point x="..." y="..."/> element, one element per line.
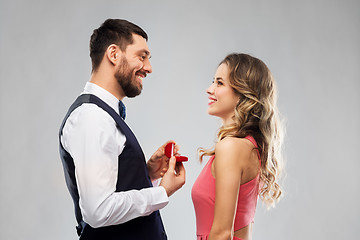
<point x="90" y="136"/>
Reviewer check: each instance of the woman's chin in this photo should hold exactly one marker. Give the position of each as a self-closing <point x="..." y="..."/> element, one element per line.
<point x="212" y="113"/>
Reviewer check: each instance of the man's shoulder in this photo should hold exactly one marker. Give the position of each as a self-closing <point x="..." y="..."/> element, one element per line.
<point x="90" y="114"/>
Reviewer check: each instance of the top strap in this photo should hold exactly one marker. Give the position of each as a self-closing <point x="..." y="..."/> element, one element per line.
<point x="252" y="140"/>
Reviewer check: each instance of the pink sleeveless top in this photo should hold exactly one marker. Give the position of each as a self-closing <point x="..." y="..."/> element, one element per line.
<point x="203" y="196"/>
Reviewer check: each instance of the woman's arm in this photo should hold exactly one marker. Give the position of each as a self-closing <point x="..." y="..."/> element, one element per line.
<point x="231" y="158"/>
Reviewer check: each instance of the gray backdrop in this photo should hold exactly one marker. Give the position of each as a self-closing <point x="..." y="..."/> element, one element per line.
<point x="312" y="47"/>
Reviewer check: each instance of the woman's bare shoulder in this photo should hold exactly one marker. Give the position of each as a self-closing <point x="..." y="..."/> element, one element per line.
<point x="234" y="145"/>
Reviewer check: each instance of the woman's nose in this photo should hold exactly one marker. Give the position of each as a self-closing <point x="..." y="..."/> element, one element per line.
<point x="210" y="89"/>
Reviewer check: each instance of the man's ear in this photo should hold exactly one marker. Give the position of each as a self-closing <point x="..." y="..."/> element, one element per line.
<point x="113" y="53"/>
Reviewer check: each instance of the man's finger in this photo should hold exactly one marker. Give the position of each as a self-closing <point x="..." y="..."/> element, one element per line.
<point x="172" y="163"/>
<point x="180" y="169"/>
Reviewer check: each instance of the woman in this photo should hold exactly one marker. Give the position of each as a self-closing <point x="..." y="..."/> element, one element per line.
<point x="246" y="160"/>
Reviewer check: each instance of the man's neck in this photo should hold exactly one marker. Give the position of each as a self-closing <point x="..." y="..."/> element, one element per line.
<point x="108" y="83"/>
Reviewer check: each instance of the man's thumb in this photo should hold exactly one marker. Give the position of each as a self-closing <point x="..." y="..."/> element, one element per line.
<point x="172" y="163"/>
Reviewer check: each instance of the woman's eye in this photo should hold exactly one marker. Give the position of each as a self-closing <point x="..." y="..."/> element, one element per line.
<point x="219" y="83"/>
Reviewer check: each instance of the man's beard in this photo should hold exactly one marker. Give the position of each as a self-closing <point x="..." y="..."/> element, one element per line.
<point x="127" y="81"/>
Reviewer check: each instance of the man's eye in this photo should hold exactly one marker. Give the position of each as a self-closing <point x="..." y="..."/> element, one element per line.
<point x="143" y="57"/>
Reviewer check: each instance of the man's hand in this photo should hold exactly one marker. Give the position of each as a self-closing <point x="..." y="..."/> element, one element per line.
<point x="174" y="177"/>
<point x="158" y="163"/>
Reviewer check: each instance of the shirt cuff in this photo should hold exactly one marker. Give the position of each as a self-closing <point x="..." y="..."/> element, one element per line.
<point x="160" y="198"/>
<point x="156" y="182"/>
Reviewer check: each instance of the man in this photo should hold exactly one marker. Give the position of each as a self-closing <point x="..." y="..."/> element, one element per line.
<point x="105" y="168"/>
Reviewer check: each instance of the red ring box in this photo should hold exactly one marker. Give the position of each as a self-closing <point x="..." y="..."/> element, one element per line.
<point x="169" y="152"/>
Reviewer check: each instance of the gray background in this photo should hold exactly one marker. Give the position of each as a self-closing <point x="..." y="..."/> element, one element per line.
<point x="312" y="48"/>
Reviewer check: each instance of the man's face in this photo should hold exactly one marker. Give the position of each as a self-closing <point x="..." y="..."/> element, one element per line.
<point x="134" y="66"/>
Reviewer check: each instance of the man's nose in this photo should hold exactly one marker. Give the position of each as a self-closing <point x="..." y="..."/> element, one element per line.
<point x="147" y="66"/>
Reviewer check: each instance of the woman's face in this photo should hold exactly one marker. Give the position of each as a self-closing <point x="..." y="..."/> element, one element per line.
<point x="222" y="98"/>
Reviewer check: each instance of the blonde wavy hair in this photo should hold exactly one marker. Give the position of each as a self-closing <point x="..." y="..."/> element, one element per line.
<point x="256" y="114"/>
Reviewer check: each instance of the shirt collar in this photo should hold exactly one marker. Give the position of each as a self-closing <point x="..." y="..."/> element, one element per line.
<point x="107" y="97"/>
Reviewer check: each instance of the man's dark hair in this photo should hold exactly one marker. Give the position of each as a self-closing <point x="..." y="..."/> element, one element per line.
<point x="112" y="31"/>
